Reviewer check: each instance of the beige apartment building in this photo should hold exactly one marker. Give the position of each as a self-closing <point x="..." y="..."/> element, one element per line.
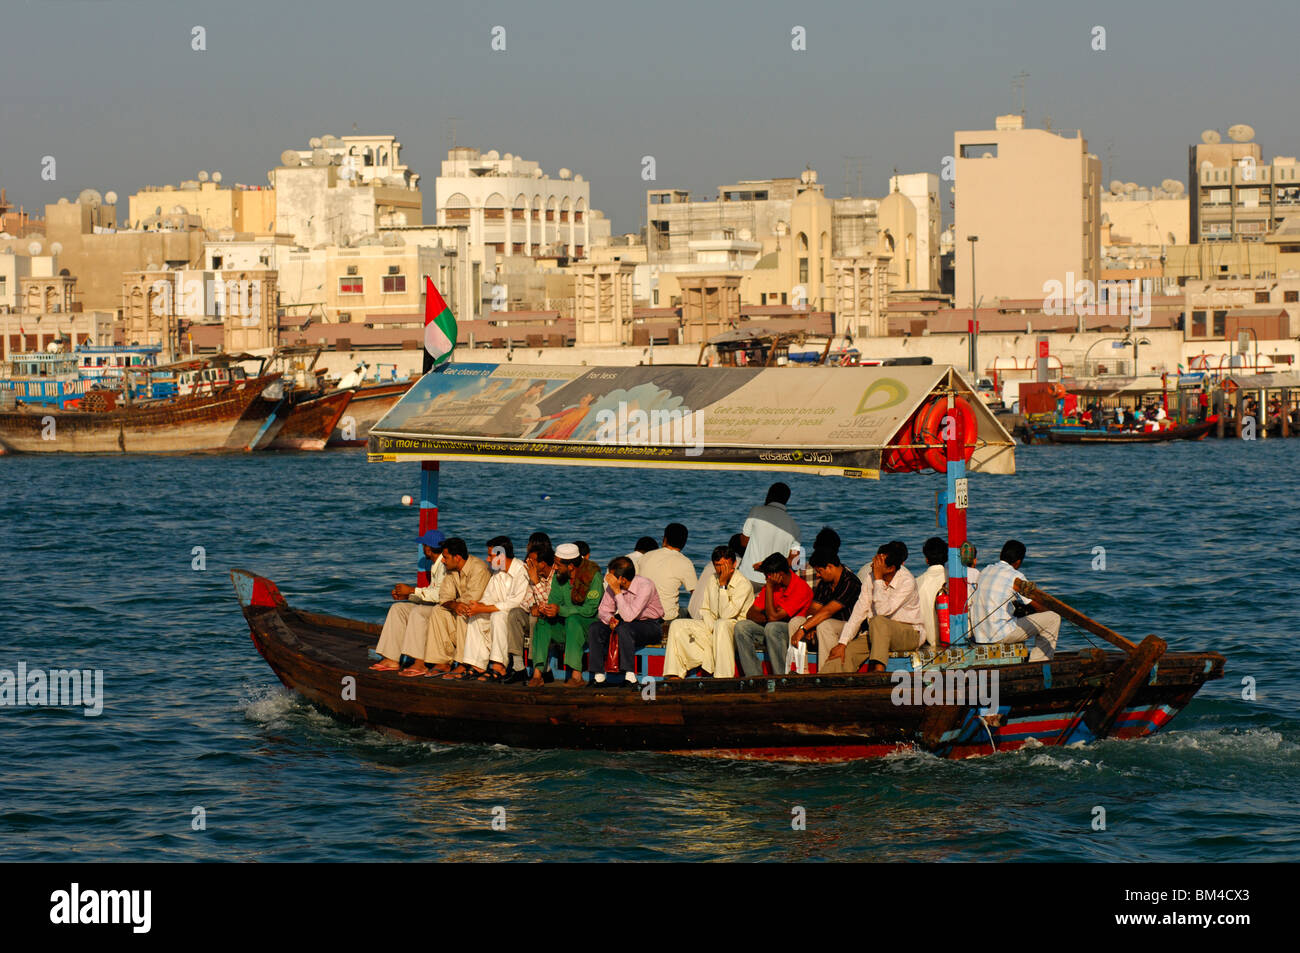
<point x="1032" y="199"/>
<point x="242" y="208"/>
<point x="1235" y="195"/>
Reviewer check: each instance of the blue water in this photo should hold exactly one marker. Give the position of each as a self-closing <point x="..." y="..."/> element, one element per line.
<point x="1200" y="547"/>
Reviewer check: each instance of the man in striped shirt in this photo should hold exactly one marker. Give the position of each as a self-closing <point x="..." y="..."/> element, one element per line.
<point x="991" y="608"/>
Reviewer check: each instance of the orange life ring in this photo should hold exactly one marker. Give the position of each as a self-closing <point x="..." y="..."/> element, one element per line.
<point x="903" y="459"/>
<point x="929" y="430"/>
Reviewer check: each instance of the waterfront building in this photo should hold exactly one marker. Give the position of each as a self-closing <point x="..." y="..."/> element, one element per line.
<point x="29" y="333"/>
<point x="1032" y="199"/>
<point x="602" y="302"/>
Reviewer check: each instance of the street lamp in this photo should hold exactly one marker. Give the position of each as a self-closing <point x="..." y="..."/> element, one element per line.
<point x="974" y="318"/>
<point x="1089" y="351"/>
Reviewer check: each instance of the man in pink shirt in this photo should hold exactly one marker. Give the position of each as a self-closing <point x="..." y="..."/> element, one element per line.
<point x="892" y="609"/>
<point x="629" y="611"/>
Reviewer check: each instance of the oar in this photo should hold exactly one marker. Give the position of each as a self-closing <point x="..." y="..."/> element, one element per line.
<point x="1126" y="681"/>
<point x="1070" y="614"/>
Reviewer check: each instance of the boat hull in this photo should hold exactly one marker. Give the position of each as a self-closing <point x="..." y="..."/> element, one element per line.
<point x="1082" y="435"/>
<point x="309" y="424"/>
<point x="792" y="718"/>
<point x="367" y="408"/>
<point x="220" y="422"/>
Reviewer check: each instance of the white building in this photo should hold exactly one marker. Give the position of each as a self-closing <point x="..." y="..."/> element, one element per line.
<point x="513" y="208"/>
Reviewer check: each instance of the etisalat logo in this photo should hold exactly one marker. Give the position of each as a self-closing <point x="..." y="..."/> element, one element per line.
<point x="57" y="688"/>
<point x="660" y="427"/>
<point x="953" y="687"/>
<point x="75" y="906"/>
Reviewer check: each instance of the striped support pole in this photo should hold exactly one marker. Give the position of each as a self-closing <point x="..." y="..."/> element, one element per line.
<point x="958" y="620"/>
<point x="428" y="510"/>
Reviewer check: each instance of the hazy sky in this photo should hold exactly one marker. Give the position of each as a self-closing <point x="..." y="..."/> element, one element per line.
<point x="714" y="91"/>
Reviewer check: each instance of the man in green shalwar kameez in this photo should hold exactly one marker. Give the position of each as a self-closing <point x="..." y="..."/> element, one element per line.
<point x="576" y="589"/>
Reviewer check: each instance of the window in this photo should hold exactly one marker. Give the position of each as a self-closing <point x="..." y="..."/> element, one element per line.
<point x="345" y="317"/>
<point x="352" y="285"/>
<point x="1261" y="297"/>
<point x="977" y="150"/>
<point x="1219" y="318"/>
<point x="216" y="262"/>
<point x="1290" y="296"/>
<point x="394" y="284"/>
<point x="803" y="271"/>
<point x="1198" y="324"/>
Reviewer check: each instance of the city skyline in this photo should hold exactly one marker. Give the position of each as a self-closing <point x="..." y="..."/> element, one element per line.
<point x="722" y="97"/>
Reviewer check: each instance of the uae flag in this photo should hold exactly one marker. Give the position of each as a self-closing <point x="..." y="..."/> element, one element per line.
<point x="439" y="328"/>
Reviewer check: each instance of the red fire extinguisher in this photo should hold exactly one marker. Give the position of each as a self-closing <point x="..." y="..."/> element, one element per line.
<point x="941" y="615"/>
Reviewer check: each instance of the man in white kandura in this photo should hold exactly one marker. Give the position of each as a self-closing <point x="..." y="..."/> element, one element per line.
<point x="408" y="618"/>
<point x="710" y="641"/>
<point x="487" y="631"/>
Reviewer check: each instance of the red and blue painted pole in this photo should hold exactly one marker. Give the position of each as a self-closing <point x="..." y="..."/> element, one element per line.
<point x="955" y="451"/>
<point x="428" y="510"/>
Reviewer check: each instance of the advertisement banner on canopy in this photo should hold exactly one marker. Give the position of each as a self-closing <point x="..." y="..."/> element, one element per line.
<point x="820" y="419"/>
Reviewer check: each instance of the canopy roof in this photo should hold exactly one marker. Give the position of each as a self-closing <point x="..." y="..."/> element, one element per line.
<point x="1263" y="381"/>
<point x="824" y="420"/>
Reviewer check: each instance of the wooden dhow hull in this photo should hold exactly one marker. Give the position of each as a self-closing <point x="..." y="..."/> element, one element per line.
<point x="794" y="718"/>
<point x="309" y="424"/>
<point x="367" y="408"/>
<point x="225" y="421"/>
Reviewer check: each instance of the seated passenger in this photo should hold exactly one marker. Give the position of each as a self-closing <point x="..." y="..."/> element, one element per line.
<point x="893" y="609"/>
<point x="669" y="570"/>
<point x="408" y="618"/>
<point x="837" y="591"/>
<point x="630" y="612"/>
<point x="707" y="578"/>
<point x="467" y="576"/>
<point x="991" y="609"/>
<point x="575" y="595"/>
<point x="708" y="641"/>
<point x="487" y="639"/>
<point x="540" y="564"/>
<point x="929" y="584"/>
<point x="767" y="625"/>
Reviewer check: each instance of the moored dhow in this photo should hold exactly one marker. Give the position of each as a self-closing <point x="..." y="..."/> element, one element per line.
<point x="225" y="420"/>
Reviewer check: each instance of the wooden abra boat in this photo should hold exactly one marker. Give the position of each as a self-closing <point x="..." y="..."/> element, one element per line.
<point x="310" y="422"/>
<point x="1069" y="434"/>
<point x="847" y="421"/>
<point x="1078" y="696"/>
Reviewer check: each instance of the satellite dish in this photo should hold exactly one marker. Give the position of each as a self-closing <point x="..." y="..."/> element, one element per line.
<point x="89" y="197"/>
<point x="1116" y="186"/>
<point x="492" y="154"/>
<point x="178" y="209"/>
<point x="63" y="200"/>
<point x="1241" y="132"/>
<point x="987" y="155"/>
<point x="1207" y="164"/>
<point x="1130" y="186"/>
<point x="216" y="176"/>
<point x="203" y="175"/>
<point x="1171" y="185"/>
<point x="290" y="158"/>
<point x="110" y="198"/>
<point x="577" y="178"/>
<point x="314" y="142"/>
<point x="565" y="173"/>
<point x="538" y="173"/>
<point x="780" y="228"/>
<point x="1211" y="137"/>
<point x="34" y="248"/>
<point x="56" y="248"/>
<point x="507" y="157"/>
<point x="745" y="235"/>
<point x="320" y="158"/>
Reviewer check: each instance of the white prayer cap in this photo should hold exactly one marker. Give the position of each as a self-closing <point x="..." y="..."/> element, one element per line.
<point x="567" y="551"/>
